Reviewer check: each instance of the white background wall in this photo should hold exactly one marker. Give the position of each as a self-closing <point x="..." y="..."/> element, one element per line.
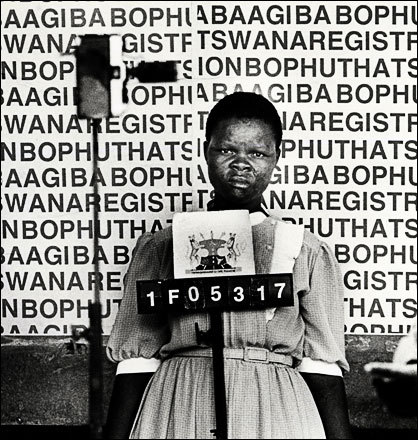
<point x="342" y="76"/>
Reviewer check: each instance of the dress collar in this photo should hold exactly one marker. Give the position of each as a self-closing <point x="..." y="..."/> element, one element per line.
<point x="256" y="217"/>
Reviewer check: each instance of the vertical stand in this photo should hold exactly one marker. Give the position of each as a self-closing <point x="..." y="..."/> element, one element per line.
<point x="101" y="81"/>
<point x="217" y="336"/>
<point x="95" y="331"/>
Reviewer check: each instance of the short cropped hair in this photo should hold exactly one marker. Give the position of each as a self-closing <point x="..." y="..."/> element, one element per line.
<point x="245" y="105"/>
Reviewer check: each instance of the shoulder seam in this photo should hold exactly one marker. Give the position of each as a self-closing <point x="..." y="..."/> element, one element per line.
<point x="310" y="240"/>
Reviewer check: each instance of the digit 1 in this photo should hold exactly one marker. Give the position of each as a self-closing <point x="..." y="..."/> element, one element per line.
<point x="261" y="290"/>
<point x="151" y="295"/>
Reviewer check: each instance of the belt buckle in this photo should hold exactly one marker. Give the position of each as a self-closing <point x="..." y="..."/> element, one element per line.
<point x="256" y="354"/>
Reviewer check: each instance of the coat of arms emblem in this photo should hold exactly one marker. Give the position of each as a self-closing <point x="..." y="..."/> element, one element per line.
<point x="213" y="253"/>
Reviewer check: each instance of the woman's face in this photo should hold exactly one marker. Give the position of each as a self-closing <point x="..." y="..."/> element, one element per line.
<point x="241" y="156"/>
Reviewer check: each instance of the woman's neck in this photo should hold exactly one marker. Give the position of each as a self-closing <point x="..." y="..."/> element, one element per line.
<point x="220" y="204"/>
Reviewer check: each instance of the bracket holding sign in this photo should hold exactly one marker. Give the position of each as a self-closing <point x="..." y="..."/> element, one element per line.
<point x="102" y="76"/>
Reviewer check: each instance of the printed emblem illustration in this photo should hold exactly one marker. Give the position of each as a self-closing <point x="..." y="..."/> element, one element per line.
<point x="215" y="254"/>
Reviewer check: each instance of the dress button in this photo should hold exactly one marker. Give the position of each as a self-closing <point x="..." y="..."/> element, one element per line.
<point x="269" y="247"/>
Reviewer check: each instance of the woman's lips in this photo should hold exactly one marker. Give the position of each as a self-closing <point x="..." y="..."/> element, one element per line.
<point x="239" y="181"/>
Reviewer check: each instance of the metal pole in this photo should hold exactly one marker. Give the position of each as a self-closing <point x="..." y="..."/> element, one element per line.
<point x="221" y="431"/>
<point x="95" y="333"/>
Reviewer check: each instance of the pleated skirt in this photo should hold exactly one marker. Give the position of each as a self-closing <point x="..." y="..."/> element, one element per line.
<point x="264" y="401"/>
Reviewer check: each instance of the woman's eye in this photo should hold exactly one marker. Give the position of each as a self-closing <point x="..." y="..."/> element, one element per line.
<point x="226" y="151"/>
<point x="257" y="154"/>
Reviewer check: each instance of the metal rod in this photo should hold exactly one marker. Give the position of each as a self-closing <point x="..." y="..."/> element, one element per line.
<point x="95" y="153"/>
<point x="95" y="333"/>
<point x="221" y="431"/>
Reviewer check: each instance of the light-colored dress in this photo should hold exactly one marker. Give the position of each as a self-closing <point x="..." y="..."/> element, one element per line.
<point x="264" y="400"/>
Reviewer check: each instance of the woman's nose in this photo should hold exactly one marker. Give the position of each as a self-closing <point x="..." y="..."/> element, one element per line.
<point x="240" y="164"/>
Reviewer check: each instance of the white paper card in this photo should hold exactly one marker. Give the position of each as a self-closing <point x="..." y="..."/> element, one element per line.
<point x="213" y="243"/>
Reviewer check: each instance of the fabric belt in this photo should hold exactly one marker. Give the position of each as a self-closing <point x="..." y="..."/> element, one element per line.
<point x="247" y="354"/>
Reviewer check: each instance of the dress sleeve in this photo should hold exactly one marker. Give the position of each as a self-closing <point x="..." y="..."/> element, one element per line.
<point x="134" y="335"/>
<point x="322" y="309"/>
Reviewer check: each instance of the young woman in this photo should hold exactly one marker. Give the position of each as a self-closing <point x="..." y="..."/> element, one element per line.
<point x="297" y="390"/>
